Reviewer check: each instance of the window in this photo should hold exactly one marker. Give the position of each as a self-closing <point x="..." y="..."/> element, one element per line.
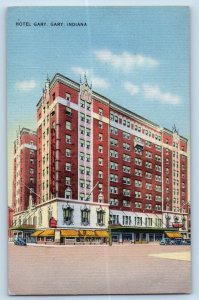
<point x="138" y="194"/>
<point x="114" y="219"/>
<point x="32" y="160"/>
<point x="68" y="215"/>
<point x="68" y="111"/>
<point x="113" y="153"/>
<point x="113" y="177"/>
<point x="32" y="151"/>
<point x="148" y="175"/>
<point x="82" y="103"/>
<point x="82" y="170"/>
<point x="126" y="158"/>
<point x="148" y="154"/>
<point x="68" y="96"/>
<point x="88" y="132"/>
<point x="126" y="169"/>
<point x="126" y="180"/>
<point x="88" y="171"/>
<point x="68" y="125"/>
<point x="68" y="139"/>
<point x="158" y="188"/>
<point x="126" y="135"/>
<point x="158" y="168"/>
<point x="31" y="171"/>
<point x="82" y="117"/>
<point x="88" y="144"/>
<point x="126" y="220"/>
<point x="85" y="216"/>
<point x="158" y="198"/>
<point x="138" y="183"/>
<point x="126" y="192"/>
<point x="88" y="157"/>
<point x="113" y="166"/>
<point x="148" y="197"/>
<point x="100" y="149"/>
<point x="100" y="137"/>
<point x="148" y="186"/>
<point x="138" y="221"/>
<point x="138" y="172"/>
<point x="113" y="142"/>
<point x="158" y="207"/>
<point x="82" y="183"/>
<point x="68" y="152"/>
<point x="100" y="124"/>
<point x="100" y="111"/>
<point x="32" y="180"/>
<point x="148" y="222"/>
<point x="68" y="166"/>
<point x="138" y="161"/>
<point x="88" y="119"/>
<point x="113" y="130"/>
<point x="100" y="161"/>
<point x="126" y="146"/>
<point x="67" y="179"/>
<point x="82" y="130"/>
<point x="113" y="190"/>
<point x="100" y="174"/>
<point x="126" y="203"/>
<point x="113" y="202"/>
<point x="100" y="217"/>
<point x="148" y="206"/>
<point x="148" y="165"/>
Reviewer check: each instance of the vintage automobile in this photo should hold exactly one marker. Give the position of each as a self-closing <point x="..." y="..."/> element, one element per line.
<point x="20" y="242"/>
<point x="167" y="241"/>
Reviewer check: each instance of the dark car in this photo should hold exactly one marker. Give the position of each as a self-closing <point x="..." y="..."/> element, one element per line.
<point x="179" y="242"/>
<point x="20" y="242"/>
<point x="166" y="241"/>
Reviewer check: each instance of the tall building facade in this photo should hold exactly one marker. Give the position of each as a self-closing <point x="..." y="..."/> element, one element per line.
<point x="25" y="169"/>
<point x="99" y="163"/>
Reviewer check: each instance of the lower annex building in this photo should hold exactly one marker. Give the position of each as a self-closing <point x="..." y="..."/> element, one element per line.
<point x="102" y="166"/>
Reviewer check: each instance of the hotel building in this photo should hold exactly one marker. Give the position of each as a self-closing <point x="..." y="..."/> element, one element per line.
<point x="99" y="164"/>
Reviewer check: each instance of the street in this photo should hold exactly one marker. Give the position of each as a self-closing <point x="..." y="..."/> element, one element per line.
<point x="120" y="269"/>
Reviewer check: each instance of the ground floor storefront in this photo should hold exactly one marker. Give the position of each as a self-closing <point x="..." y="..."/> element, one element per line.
<point x="121" y="234"/>
<point x="71" y="236"/>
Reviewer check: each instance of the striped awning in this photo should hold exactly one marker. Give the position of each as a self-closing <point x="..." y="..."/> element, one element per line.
<point x="48" y="232"/>
<point x="37" y="233"/>
<point x="102" y="233"/>
<point x="69" y="233"/>
<point x="173" y="235"/>
<point x="90" y="233"/>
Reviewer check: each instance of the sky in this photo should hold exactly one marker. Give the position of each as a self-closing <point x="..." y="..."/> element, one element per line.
<point x="137" y="57"/>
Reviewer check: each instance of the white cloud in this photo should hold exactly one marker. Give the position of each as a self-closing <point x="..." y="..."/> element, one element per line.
<point x="80" y="71"/>
<point x="98" y="82"/>
<point x="25" y="85"/>
<point x="125" y="61"/>
<point x="131" y="88"/>
<point x="154" y="93"/>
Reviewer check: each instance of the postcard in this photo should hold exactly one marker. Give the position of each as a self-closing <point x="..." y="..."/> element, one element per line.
<point x="98" y="150"/>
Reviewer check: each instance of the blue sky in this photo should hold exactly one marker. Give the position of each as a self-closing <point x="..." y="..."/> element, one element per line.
<point x="137" y="57"/>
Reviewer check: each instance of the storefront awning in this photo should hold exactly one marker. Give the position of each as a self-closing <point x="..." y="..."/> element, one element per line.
<point x="48" y="232"/>
<point x="102" y="233"/>
<point x="69" y="233"/>
<point x="90" y="233"/>
<point x="37" y="233"/>
<point x="173" y="235"/>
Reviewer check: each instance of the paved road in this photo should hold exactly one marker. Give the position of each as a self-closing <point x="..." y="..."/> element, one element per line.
<point x="120" y="269"/>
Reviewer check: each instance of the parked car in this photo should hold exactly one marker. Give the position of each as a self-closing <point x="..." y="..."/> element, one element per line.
<point x="20" y="242"/>
<point x="166" y="241"/>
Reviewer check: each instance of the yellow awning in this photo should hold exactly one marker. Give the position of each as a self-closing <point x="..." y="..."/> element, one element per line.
<point x="102" y="233"/>
<point x="173" y="235"/>
<point x="87" y="233"/>
<point x="48" y="232"/>
<point x="69" y="233"/>
<point x="90" y="233"/>
<point x="36" y="233"/>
